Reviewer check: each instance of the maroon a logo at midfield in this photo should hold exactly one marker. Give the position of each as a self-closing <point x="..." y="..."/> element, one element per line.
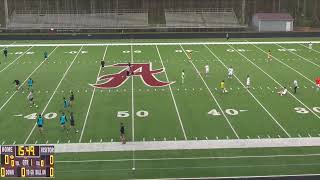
<point x="144" y="70"/>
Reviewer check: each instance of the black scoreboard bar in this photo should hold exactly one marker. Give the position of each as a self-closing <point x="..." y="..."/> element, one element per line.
<point x="27" y="161"/>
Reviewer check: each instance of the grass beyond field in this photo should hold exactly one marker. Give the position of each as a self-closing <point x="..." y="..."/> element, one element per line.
<point x="193" y="110"/>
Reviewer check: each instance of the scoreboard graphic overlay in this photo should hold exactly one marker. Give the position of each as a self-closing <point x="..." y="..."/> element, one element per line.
<point x="27" y="161"/>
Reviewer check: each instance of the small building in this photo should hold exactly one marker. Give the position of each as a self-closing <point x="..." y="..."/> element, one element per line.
<point x="273" y="22"/>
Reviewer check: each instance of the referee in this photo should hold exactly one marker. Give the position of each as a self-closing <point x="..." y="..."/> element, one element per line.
<point x="122" y="134"/>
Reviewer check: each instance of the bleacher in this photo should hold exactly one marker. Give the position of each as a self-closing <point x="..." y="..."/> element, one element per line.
<point x="111" y="19"/>
<point x="201" y="18"/>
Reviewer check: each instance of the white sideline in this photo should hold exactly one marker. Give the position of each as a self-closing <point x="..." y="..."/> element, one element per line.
<point x="273" y="118"/>
<point x="7" y="101"/>
<point x="276" y="80"/>
<point x="93" y="93"/>
<point x="54" y="92"/>
<point x="160" y="43"/>
<point x="15" y="60"/>
<point x="191" y="158"/>
<point x="240" y="177"/>
<point x="213" y="97"/>
<point x="174" y="100"/>
<point x="187" y="145"/>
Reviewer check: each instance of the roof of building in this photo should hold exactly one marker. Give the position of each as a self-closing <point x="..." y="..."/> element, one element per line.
<point x="274" y="16"/>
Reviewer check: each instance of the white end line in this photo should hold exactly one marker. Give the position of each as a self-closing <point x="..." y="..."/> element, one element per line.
<point x="54" y="92"/>
<point x="26" y="80"/>
<point x="174" y="101"/>
<point x="274" y="119"/>
<point x="227" y="119"/>
<point x="91" y="100"/>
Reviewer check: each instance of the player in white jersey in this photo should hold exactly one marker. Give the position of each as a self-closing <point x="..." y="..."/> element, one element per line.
<point x="206" y="67"/>
<point x="230" y="72"/>
<point x="283" y="91"/>
<point x="310" y="46"/>
<point x="295" y="86"/>
<point x="248" y="82"/>
<point x="31" y="99"/>
<point x="182" y="76"/>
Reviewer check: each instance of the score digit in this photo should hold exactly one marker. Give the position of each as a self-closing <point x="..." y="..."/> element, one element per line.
<point x="51" y="159"/>
<point x="21" y="151"/>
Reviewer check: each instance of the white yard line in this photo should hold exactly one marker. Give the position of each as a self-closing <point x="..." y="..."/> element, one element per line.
<point x="286" y="65"/>
<point x="173" y="99"/>
<point x="91" y="100"/>
<point x="273" y="118"/>
<point x="309" y="49"/>
<point x="15" y="60"/>
<point x="213" y="97"/>
<point x="300" y="56"/>
<point x="192" y="158"/>
<point x="160" y="43"/>
<point x="8" y="100"/>
<point x="132" y="115"/>
<point x="54" y="92"/>
<point x="275" y="81"/>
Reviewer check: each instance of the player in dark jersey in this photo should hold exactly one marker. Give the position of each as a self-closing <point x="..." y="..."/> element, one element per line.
<point x="71" y="99"/>
<point x="72" y="123"/>
<point x="5" y="52"/>
<point x="122" y="134"/>
<point x="17" y="83"/>
<point x="102" y="63"/>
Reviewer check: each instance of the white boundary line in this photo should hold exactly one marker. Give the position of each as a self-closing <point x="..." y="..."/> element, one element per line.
<point x="161" y="43"/>
<point x="274" y="119"/>
<point x="173" y="99"/>
<point x="15" y="60"/>
<point x="213" y="97"/>
<point x="132" y="115"/>
<point x="54" y="92"/>
<point x="275" y="80"/>
<point x="191" y="158"/>
<point x="26" y="80"/>
<point x="305" y="59"/>
<point x="239" y="177"/>
<point x="93" y="93"/>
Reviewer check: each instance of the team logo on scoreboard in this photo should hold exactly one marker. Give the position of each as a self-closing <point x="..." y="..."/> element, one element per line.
<point x="143" y="70"/>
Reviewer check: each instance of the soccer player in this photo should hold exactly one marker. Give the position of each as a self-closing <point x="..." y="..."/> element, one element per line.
<point x="283" y="91"/>
<point x="63" y="120"/>
<point x="122" y="134"/>
<point x="248" y="82"/>
<point x="72" y="123"/>
<point x="182" y="76"/>
<point x="102" y="63"/>
<point x="71" y="99"/>
<point x="5" y="52"/>
<point x="31" y="99"/>
<point x="129" y="69"/>
<point x="269" y="56"/>
<point x="206" y="67"/>
<point x="230" y="72"/>
<point x="310" y="46"/>
<point x="17" y="82"/>
<point x="295" y="86"/>
<point x="30" y="83"/>
<point x="40" y="123"/>
<point x="45" y="55"/>
<point x="222" y="87"/>
<point x="65" y="103"/>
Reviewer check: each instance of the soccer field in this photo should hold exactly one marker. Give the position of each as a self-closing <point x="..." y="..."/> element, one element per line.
<point x="184" y="121"/>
